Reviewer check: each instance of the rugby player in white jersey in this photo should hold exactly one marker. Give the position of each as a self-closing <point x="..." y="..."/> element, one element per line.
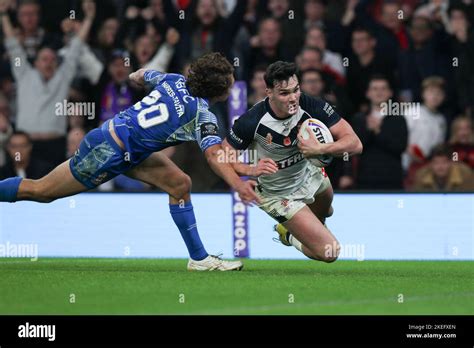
<point x="293" y="191"/>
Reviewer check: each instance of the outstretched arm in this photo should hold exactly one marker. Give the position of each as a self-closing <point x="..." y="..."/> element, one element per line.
<point x="138" y="77"/>
<point x="265" y="166"/>
<point x="245" y="189"/>
<point x="18" y="59"/>
<point x="161" y="60"/>
<point x="7" y="26"/>
<point x="144" y="76"/>
<point x="88" y="6"/>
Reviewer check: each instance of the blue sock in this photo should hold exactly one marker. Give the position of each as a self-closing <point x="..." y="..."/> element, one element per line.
<point x="9" y="189"/>
<point x="183" y="217"/>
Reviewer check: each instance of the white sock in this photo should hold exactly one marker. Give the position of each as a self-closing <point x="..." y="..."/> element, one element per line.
<point x="295" y="242"/>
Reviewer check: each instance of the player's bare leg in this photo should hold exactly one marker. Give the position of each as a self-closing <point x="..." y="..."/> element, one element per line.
<point x="322" y="205"/>
<point x="57" y="184"/>
<point x="158" y="170"/>
<point x="312" y="237"/>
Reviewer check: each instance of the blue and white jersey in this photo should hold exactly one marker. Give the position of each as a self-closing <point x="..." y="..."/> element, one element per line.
<point x="167" y="116"/>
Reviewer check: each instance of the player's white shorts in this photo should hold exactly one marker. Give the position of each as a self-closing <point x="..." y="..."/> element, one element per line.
<point x="284" y="208"/>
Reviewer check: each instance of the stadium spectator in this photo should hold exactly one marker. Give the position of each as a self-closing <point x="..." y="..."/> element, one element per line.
<point x="29" y="32"/>
<point x="149" y="20"/>
<point x="106" y="39"/>
<point x="5" y="127"/>
<point x="384" y="137"/>
<point x="318" y="84"/>
<point x="365" y="63"/>
<point x="42" y="87"/>
<point x="117" y="94"/>
<point x="462" y="140"/>
<point x="20" y="161"/>
<point x="145" y="54"/>
<point x="89" y="66"/>
<point x="462" y="48"/>
<point x="248" y="30"/>
<point x="435" y="10"/>
<point x="312" y="83"/>
<point x="425" y="57"/>
<point x="258" y="86"/>
<point x="389" y="29"/>
<point x="426" y="128"/>
<point x="312" y="58"/>
<point x="8" y="89"/>
<point x="291" y="25"/>
<point x="204" y="30"/>
<point x="315" y="37"/>
<point x="315" y="15"/>
<point x="443" y="174"/>
<point x="266" y="46"/>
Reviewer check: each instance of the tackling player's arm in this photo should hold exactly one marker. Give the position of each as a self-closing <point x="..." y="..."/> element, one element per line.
<point x="226" y="171"/>
<point x="208" y="138"/>
<point x="265" y="166"/>
<point x="346" y="141"/>
<point x="146" y="76"/>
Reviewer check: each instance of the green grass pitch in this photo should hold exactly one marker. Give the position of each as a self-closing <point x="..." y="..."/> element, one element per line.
<point x="163" y="286"/>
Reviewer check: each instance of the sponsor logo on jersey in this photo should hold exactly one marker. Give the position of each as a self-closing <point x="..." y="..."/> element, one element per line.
<point x="100" y="179"/>
<point x="235" y="137"/>
<point x="208" y="129"/>
<point x="181" y="86"/>
<point x="289" y="161"/>
<point x="328" y="109"/>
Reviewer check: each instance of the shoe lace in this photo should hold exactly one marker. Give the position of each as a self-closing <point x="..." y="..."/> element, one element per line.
<point x="277" y="240"/>
<point x="217" y="257"/>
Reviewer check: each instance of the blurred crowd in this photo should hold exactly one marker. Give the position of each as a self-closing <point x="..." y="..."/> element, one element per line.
<point x="400" y="72"/>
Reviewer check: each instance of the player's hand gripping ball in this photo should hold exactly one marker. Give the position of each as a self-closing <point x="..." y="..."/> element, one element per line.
<point x="322" y="134"/>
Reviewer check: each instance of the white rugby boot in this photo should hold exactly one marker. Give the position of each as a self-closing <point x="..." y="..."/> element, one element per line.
<point x="214" y="263"/>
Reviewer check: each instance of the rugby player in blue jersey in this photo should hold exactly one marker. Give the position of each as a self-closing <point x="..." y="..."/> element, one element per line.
<point x="175" y="111"/>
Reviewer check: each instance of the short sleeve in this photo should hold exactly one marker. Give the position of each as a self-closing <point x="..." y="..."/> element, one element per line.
<point x="320" y="109"/>
<point x="242" y="132"/>
<point x="207" y="130"/>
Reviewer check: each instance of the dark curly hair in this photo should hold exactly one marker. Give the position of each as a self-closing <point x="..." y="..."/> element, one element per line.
<point x="210" y="76"/>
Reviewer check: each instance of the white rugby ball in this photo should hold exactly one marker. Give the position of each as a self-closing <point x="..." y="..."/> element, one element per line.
<point x="323" y="134"/>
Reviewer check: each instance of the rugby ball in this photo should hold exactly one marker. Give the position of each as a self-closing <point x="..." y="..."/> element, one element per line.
<point x="323" y="134"/>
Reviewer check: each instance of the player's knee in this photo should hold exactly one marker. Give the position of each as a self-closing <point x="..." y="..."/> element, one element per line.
<point x="331" y="252"/>
<point x="182" y="186"/>
<point x="330" y="212"/>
